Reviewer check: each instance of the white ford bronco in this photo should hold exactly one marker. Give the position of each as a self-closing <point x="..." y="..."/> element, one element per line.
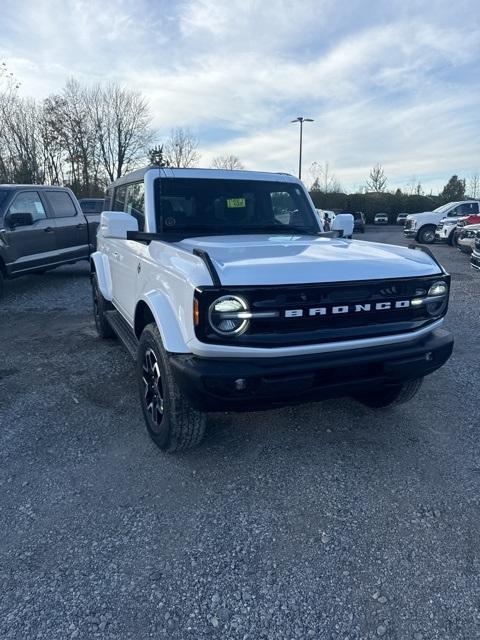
<point x="230" y="297"/>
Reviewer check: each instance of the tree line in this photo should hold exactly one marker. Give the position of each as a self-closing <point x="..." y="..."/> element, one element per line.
<point x="374" y="197"/>
<point x="85" y="137"/>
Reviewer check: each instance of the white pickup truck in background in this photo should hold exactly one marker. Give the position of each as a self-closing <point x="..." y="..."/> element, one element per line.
<point x="423" y="226"/>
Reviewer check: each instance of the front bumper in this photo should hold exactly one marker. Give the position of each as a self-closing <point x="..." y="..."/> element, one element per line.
<point x="252" y="384"/>
<point x="410" y="233"/>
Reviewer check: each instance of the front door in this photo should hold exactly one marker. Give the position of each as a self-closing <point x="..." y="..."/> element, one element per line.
<point x="30" y="246"/>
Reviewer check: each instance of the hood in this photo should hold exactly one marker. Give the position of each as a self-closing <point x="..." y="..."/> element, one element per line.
<point x="422" y="214"/>
<point x="276" y="260"/>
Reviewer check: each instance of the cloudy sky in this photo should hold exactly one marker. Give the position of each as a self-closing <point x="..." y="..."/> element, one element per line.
<point x="393" y="81"/>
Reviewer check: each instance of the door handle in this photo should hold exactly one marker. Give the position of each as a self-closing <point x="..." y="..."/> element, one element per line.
<point x="48" y="229"/>
<point x="80" y="225"/>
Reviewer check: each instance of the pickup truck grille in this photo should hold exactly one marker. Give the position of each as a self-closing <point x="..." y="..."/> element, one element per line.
<point x="323" y="312"/>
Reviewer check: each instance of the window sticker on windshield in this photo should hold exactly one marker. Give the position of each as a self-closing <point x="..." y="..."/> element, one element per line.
<point x="236" y="203"/>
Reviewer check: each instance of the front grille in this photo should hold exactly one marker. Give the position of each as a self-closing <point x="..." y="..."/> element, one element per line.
<point x="345" y="313"/>
<point x="440" y="226"/>
<point x="477" y="243"/>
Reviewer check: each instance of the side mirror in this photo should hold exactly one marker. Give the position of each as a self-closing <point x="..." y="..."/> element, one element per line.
<point x="19" y="219"/>
<point x="115" y="224"/>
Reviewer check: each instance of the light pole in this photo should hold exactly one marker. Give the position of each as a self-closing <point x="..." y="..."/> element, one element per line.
<point x="301" y="120"/>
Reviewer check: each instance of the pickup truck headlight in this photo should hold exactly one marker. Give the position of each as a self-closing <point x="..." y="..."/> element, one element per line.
<point x="229" y="316"/>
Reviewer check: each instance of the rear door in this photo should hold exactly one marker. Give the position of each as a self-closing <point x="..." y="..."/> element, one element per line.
<point x="30" y="246"/>
<point x="71" y="232"/>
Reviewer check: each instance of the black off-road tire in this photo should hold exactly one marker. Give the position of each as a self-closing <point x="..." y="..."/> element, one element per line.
<point x="172" y="423"/>
<point x="452" y="239"/>
<point x="426" y="235"/>
<point x="2" y="284"/>
<point x="100" y="306"/>
<point x="390" y="396"/>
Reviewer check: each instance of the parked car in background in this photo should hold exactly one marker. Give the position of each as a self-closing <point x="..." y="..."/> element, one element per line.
<point x="447" y="228"/>
<point x="401" y="218"/>
<point x="475" y="259"/>
<point x="465" y="240"/>
<point x="423" y="226"/>
<point x="92" y="205"/>
<point x="359" y="221"/>
<point x="467" y="237"/>
<point x="41" y="227"/>
<point x="380" y="218"/>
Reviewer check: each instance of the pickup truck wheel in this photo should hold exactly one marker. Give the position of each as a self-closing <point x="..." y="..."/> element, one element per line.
<point x="100" y="306"/>
<point x="426" y="234"/>
<point x="171" y="421"/>
<point x="391" y="395"/>
<point x="2" y="287"/>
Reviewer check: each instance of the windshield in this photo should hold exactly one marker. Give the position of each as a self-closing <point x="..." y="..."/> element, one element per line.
<point x="444" y="207"/>
<point x="210" y="206"/>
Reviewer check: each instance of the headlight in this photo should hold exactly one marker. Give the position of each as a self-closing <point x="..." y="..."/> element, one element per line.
<point x="229" y="316"/>
<point x="437" y="298"/>
<point x="438" y="289"/>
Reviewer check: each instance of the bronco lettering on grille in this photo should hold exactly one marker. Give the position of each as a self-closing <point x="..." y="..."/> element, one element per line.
<point x="355" y="308"/>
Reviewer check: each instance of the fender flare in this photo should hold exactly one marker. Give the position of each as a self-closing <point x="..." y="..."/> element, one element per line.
<point x="99" y="265"/>
<point x="167" y="321"/>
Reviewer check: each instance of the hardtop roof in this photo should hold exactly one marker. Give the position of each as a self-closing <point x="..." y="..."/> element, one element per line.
<point x="223" y="174"/>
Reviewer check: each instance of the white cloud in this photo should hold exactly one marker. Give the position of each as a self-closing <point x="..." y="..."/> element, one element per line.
<point x="399" y="85"/>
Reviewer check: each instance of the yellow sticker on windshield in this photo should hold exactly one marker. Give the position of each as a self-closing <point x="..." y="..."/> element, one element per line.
<point x="236" y="203"/>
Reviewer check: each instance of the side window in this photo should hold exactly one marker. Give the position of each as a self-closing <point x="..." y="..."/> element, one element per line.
<point x="454" y="212"/>
<point x="468" y="208"/>
<point x="283" y="207"/>
<point x="119" y="198"/>
<point x="28" y="202"/>
<point x="61" y="204"/>
<point x="135" y="203"/>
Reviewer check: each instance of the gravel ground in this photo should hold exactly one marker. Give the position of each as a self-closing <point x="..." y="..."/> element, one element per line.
<point x="325" y="521"/>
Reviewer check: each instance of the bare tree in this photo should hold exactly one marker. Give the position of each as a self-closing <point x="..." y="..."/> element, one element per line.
<point x="414" y="187"/>
<point x="323" y="179"/>
<point x="227" y="162"/>
<point x="123" y="125"/>
<point x="181" y="148"/>
<point x="377" y="180"/>
<point x="474" y="185"/>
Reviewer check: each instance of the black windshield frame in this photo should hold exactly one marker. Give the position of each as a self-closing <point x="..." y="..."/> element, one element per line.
<point x="202" y="190"/>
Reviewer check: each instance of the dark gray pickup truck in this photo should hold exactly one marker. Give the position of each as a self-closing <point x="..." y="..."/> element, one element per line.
<point x="42" y="227"/>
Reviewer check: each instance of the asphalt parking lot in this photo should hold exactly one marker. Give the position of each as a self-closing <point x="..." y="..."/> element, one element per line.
<point x="328" y="520"/>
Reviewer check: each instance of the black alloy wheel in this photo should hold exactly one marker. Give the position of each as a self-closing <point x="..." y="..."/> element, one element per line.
<point x="153" y="389"/>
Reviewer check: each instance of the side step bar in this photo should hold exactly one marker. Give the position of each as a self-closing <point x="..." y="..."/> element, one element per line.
<point x="123" y="331"/>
